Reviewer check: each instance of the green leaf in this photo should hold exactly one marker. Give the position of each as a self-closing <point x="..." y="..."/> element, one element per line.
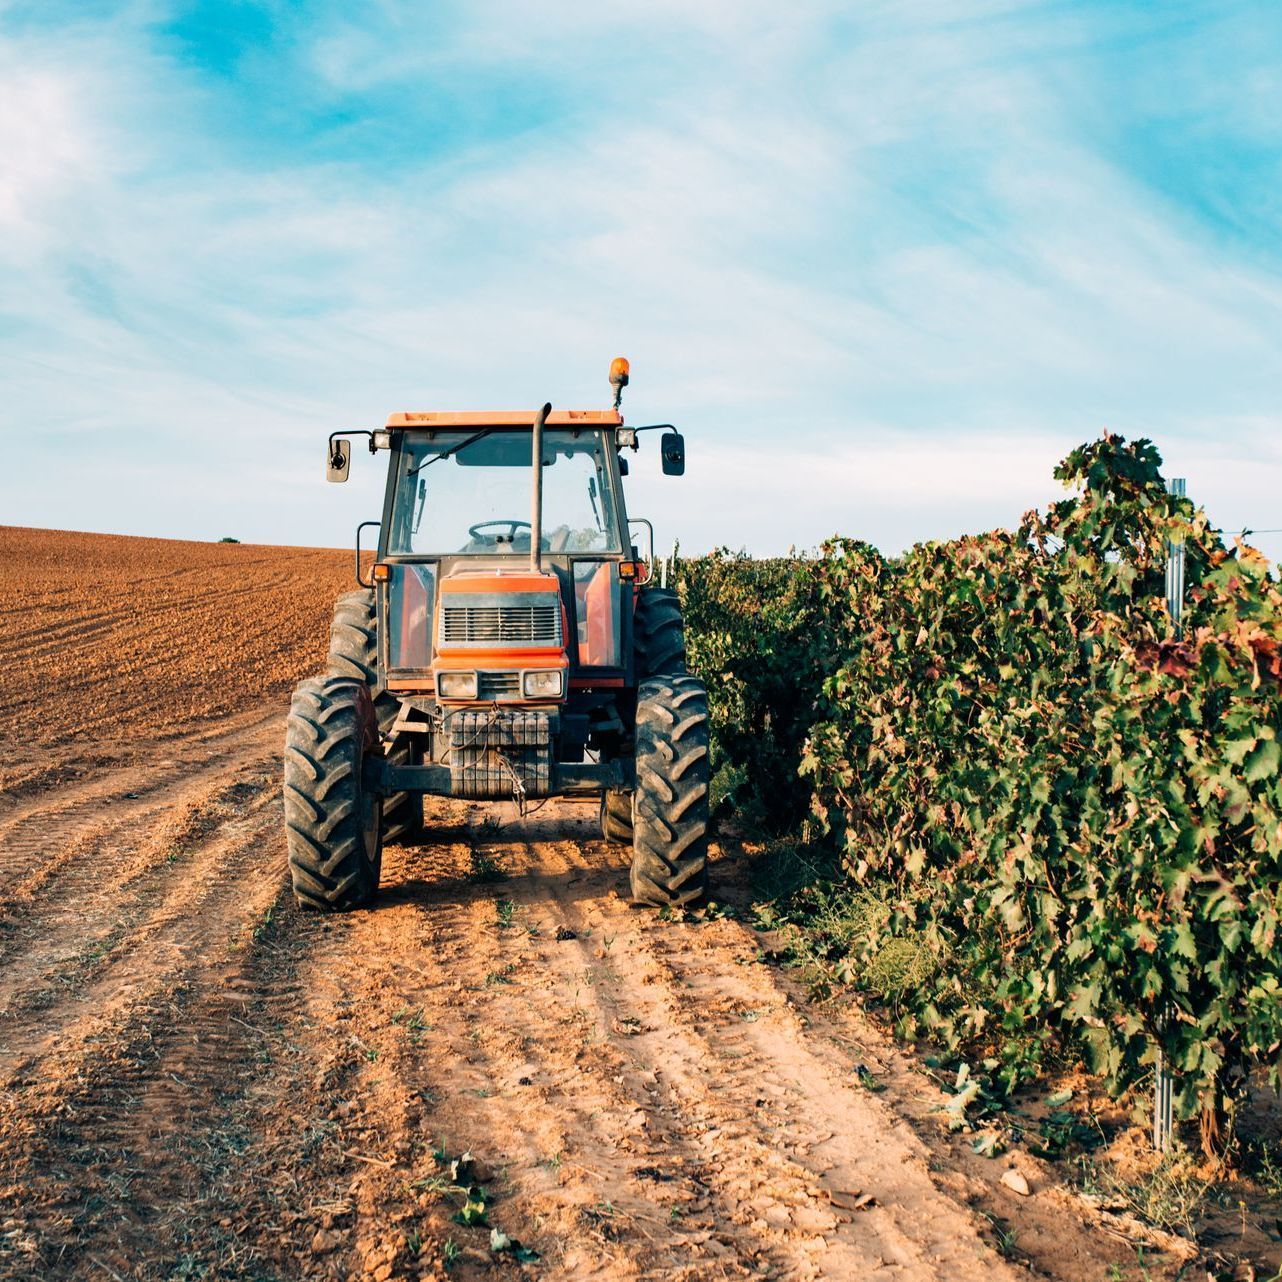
<point x="500" y="1243"/>
<point x="989" y="1144"/>
<point x="472" y="1214"/>
<point x="1263" y="762"/>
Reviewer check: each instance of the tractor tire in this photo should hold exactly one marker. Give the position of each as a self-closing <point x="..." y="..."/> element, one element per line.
<point x="658" y="634"/>
<point x="353" y="652"/>
<point x="616" y="816"/>
<point x="353" y="638"/>
<point x="670" y="824"/>
<point x="333" y="823"/>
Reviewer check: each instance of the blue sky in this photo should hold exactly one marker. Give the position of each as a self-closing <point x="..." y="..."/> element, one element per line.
<point x="884" y="263"/>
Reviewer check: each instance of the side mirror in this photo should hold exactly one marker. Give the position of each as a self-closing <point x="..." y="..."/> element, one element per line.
<point x="338" y="461"/>
<point x="623" y="466"/>
<point x="672" y="449"/>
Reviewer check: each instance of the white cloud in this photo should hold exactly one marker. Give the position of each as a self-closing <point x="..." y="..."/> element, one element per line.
<point x="46" y="148"/>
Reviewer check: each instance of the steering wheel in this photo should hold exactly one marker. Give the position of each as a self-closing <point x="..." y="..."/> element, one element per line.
<point x="512" y="527"/>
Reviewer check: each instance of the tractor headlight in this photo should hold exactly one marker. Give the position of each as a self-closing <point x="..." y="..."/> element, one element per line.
<point x="543" y="685"/>
<point x="456" y="685"/>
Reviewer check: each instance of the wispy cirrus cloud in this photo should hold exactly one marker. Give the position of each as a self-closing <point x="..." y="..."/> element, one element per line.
<point x="892" y="260"/>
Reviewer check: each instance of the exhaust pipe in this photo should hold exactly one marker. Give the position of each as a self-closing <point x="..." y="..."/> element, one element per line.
<point x="536" y="514"/>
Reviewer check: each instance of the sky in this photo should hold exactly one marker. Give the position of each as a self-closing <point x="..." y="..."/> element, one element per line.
<point x="884" y="262"/>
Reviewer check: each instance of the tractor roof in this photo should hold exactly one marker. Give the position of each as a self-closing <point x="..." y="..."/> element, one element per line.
<point x="504" y="418"/>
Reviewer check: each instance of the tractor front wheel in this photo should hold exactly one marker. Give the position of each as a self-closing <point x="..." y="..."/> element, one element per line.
<point x="333" y="823"/>
<point x="616" y="816"/>
<point x="670" y="813"/>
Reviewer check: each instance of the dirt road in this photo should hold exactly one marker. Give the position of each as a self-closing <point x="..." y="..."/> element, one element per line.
<point x="199" y="1081"/>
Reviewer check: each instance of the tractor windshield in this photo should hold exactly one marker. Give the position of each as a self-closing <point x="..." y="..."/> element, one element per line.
<point x="469" y="493"/>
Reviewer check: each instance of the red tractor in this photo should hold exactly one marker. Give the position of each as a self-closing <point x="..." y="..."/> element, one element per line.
<point x="492" y="657"/>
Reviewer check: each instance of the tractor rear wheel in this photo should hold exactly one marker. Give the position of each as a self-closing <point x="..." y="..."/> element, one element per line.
<point x="333" y="823"/>
<point x="353" y="638"/>
<point x="403" y="811"/>
<point x="670" y="824"/>
<point x="658" y="634"/>
<point x="616" y="816"/>
<point x="353" y="652"/>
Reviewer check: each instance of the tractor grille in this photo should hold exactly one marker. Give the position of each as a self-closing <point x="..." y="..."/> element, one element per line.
<point x="497" y="685"/>
<point x="495" y="625"/>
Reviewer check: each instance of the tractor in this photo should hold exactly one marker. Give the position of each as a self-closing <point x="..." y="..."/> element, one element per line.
<point x="495" y="658"/>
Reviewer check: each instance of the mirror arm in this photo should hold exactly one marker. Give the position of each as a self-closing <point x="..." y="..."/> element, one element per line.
<point x="356" y="431"/>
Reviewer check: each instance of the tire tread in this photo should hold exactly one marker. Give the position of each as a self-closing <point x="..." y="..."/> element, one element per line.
<point x="670" y="831"/>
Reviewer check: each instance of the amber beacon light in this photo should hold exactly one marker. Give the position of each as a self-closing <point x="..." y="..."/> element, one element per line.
<point x="619" y="369"/>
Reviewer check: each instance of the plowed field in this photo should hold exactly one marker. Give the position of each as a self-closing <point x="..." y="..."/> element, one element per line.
<point x="199" y="1081"/>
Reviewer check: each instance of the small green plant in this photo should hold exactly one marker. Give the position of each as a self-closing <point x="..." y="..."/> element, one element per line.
<point x="1004" y="1237"/>
<point x="265" y="924"/>
<point x="450" y="1252"/>
<point x="1062" y="1131"/>
<point x="485" y="869"/>
<point x="868" y="1079"/>
<point x="501" y="1244"/>
<point x="413" y="1022"/>
<point x="434" y="1184"/>
<point x="505" y="913"/>
<point x="473" y="1213"/>
<point x="1172" y="1196"/>
<point x="1266" y="1166"/>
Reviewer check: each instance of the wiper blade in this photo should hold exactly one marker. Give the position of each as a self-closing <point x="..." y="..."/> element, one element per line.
<point x="454" y="449"/>
<point x="596" y="515"/>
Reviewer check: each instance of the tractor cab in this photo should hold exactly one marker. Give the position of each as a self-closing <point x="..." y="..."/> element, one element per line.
<point x="509" y="644"/>
<point x="470" y="604"/>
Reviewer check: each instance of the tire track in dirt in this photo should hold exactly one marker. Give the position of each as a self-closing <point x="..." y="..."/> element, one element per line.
<point x="589" y="1052"/>
<point x="123" y="1034"/>
<point x="69" y="854"/>
<point x="139" y="928"/>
